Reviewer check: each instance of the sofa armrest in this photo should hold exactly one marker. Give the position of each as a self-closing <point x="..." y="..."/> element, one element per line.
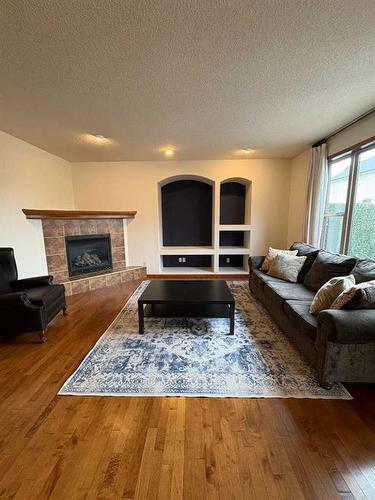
<point x="255" y="261"/>
<point x="19" y="285"/>
<point x="16" y="298"/>
<point x="345" y="326"/>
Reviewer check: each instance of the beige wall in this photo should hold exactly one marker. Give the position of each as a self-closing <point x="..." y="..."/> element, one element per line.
<point x="29" y="178"/>
<point x="32" y="178"/>
<point x="297" y="199"/>
<point x="134" y="185"/>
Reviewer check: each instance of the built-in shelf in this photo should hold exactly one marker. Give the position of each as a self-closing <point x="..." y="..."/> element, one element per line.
<point x="232" y="270"/>
<point x="187" y="270"/>
<point x="187" y="251"/>
<point x="206" y="246"/>
<point x="235" y="227"/>
<point x="234" y="251"/>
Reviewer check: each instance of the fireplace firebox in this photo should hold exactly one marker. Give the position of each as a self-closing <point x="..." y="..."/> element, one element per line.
<point x="88" y="253"/>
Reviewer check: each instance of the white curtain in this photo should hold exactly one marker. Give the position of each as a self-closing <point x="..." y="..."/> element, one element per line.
<point x="316" y="194"/>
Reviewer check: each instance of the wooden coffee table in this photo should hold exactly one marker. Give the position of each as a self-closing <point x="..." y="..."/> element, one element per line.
<point x="196" y="299"/>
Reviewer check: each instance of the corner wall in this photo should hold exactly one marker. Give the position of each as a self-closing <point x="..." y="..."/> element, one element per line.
<point x="134" y="186"/>
<point x="298" y="193"/>
<point x="29" y="178"/>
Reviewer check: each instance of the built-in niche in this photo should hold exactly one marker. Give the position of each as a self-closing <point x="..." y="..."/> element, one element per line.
<point x="186" y="208"/>
<point x="198" y="261"/>
<point x="231" y="239"/>
<point x="233" y="261"/>
<point x="232" y="202"/>
<point x="204" y="225"/>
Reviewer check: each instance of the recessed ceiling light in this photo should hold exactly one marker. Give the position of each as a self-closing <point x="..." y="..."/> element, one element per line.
<point x="98" y="139"/>
<point x="247" y="150"/>
<point x="169" y="153"/>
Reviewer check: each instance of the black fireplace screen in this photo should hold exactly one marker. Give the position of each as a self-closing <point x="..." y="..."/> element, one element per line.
<point x="88" y="253"/>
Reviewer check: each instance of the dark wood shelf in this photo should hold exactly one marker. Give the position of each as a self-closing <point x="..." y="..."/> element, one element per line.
<point x="77" y="214"/>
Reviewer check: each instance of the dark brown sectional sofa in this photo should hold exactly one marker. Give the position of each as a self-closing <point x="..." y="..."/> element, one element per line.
<point x="340" y="344"/>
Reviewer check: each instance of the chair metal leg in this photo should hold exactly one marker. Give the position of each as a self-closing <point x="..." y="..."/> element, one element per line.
<point x="42" y="336"/>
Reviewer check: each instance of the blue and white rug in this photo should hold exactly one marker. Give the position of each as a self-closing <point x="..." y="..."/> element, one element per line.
<point x="196" y="357"/>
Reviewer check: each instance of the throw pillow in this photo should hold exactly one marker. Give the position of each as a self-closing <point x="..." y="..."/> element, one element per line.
<point x="348" y="294"/>
<point x="327" y="266"/>
<point x="364" y="298"/>
<point x="287" y="267"/>
<point x="272" y="252"/>
<point x="326" y="295"/>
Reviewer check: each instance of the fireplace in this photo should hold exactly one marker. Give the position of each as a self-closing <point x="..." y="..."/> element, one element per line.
<point x="88" y="253"/>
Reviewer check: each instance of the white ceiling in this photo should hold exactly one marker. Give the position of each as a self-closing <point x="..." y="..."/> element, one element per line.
<point x="207" y="76"/>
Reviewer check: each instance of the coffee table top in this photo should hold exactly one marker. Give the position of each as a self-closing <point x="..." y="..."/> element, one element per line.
<point x="187" y="292"/>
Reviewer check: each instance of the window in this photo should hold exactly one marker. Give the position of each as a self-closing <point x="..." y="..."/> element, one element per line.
<point x="349" y="218"/>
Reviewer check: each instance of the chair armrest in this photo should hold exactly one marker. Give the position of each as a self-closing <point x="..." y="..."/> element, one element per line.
<point x="9" y="299"/>
<point x="345" y="326"/>
<point x="255" y="261"/>
<point x="19" y="285"/>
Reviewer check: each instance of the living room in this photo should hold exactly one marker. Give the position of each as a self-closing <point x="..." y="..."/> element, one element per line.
<point x="187" y="251"/>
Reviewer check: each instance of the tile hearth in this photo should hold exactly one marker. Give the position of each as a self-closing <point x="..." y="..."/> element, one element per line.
<point x="90" y="283"/>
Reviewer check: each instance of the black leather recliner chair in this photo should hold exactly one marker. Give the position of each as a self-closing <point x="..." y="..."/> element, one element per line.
<point x="29" y="304"/>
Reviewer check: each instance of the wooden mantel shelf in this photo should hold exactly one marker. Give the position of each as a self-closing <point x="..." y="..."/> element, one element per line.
<point x="77" y="214"/>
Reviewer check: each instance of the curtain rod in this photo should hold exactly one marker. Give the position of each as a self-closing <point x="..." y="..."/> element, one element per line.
<point x="344" y="127"/>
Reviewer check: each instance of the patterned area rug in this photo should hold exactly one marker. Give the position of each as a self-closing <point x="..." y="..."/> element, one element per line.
<point x="196" y="357"/>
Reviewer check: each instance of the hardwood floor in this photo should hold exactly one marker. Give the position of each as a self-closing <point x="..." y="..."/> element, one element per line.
<point x="69" y="447"/>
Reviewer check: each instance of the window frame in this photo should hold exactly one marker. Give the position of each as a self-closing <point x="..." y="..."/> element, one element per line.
<point x="347" y="215"/>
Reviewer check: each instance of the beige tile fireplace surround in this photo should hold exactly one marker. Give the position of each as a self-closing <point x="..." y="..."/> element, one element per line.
<point x="58" y="225"/>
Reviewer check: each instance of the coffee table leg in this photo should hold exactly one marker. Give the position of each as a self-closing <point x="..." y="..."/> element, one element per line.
<point x="231" y="316"/>
<point x="141" y="318"/>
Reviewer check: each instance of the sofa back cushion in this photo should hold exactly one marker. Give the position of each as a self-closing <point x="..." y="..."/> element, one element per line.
<point x="327" y="266"/>
<point x="308" y="251"/>
<point x="364" y="298"/>
<point x="364" y="270"/>
<point x="303" y="248"/>
<point x="347" y="295"/>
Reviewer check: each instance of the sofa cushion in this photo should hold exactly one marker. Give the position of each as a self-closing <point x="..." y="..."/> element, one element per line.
<point x="303" y="248"/>
<point x="45" y="295"/>
<point x="348" y="294"/>
<point x="290" y="291"/>
<point x="327" y="266"/>
<point x="364" y="270"/>
<point x="308" y="251"/>
<point x="298" y="312"/>
<point x="265" y="278"/>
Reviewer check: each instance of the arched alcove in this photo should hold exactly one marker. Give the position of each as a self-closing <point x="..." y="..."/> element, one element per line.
<point x="233" y="203"/>
<point x="234" y="212"/>
<point x="186" y="211"/>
